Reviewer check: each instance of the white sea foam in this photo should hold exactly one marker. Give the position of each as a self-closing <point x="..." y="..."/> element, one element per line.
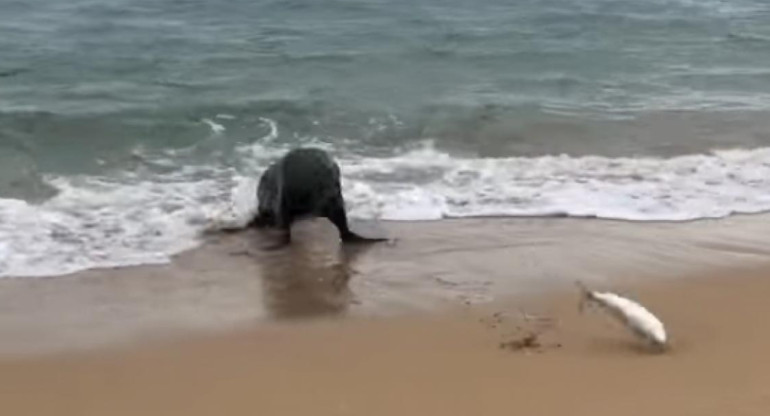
<point x="125" y="220"/>
<point x="216" y="128"/>
<point x="94" y="223"/>
<point x="273" y="126"/>
<point x="676" y="189"/>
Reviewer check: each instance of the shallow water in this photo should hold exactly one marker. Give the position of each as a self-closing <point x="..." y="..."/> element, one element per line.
<point x="127" y="126"/>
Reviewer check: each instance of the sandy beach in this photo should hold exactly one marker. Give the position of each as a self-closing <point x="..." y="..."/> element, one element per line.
<point x="432" y="324"/>
<point x="509" y="151"/>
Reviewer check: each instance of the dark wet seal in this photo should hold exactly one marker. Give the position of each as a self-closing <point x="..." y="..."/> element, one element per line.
<point x="303" y="183"/>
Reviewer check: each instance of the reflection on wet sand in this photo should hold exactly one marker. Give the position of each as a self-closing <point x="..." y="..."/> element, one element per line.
<point x="309" y="278"/>
<point x="233" y="281"/>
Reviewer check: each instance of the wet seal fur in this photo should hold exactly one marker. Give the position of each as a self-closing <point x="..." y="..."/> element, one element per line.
<point x="305" y="182"/>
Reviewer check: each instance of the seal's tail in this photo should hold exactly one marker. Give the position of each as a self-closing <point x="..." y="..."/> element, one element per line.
<point x="585" y="295"/>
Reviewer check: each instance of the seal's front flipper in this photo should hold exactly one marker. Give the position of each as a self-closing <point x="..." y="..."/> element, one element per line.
<point x="261" y="220"/>
<point x="335" y="212"/>
<point x="280" y="242"/>
<point x="352" y="237"/>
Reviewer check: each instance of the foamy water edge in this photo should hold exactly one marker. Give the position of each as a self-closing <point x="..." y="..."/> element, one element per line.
<point x="130" y="220"/>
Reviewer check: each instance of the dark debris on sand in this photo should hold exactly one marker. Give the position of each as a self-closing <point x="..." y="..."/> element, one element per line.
<point x="523" y="331"/>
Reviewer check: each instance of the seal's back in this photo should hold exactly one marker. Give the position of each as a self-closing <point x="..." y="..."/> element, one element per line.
<point x="310" y="179"/>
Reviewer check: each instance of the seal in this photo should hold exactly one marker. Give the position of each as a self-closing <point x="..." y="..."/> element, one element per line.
<point x="305" y="182"/>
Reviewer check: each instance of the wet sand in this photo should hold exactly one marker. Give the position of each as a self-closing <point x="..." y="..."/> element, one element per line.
<point x="434" y="324"/>
<point x="231" y="282"/>
<point x="450" y="364"/>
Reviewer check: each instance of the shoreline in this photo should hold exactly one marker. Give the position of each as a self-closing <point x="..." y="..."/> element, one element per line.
<point x="456" y="318"/>
<point x="230" y="282"/>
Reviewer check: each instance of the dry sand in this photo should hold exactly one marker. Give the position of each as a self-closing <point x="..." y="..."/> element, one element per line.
<point x="462" y="359"/>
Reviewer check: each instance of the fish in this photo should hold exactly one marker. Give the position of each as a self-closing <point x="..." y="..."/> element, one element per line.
<point x="640" y="321"/>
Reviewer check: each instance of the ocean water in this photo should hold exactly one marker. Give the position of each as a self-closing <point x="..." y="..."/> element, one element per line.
<point x="129" y="126"/>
